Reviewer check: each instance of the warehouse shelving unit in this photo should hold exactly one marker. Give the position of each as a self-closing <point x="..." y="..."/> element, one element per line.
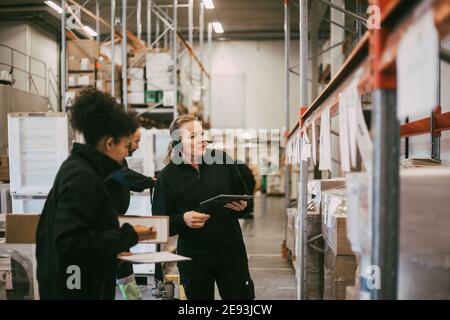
<point x="373" y="64"/>
<point x="170" y="31"/>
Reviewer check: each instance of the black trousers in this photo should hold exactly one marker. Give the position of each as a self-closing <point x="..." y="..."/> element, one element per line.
<point x="233" y="282"/>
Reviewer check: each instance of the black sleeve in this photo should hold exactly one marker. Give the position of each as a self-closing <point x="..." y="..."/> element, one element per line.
<point x="132" y="180"/>
<point x="164" y="205"/>
<point x="75" y="233"/>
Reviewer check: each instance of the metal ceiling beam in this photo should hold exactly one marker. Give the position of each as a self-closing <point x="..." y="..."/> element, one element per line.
<point x="347" y="12"/>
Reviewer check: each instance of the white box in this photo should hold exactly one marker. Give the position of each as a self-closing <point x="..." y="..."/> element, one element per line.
<point x="136" y="98"/>
<point x="136" y="85"/>
<point x="159" y="71"/>
<point x="38" y="145"/>
<point x="136" y="73"/>
<point x="72" y="81"/>
<point x="28" y="203"/>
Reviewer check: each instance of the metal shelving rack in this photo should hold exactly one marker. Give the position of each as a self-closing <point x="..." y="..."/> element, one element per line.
<point x="162" y="17"/>
<point x="374" y="58"/>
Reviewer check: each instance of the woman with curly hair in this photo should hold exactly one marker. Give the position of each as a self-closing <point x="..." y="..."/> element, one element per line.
<point x="79" y="237"/>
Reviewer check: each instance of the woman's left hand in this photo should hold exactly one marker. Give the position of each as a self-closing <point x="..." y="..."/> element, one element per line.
<point x="237" y="206"/>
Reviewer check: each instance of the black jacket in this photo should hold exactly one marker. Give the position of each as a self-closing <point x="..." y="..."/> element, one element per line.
<point x="180" y="188"/>
<point x="121" y="182"/>
<point x="79" y="227"/>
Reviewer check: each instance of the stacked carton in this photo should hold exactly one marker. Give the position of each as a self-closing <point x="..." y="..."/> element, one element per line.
<point x="104" y="78"/>
<point x="315" y="259"/>
<point x="81" y="65"/>
<point x="340" y="262"/>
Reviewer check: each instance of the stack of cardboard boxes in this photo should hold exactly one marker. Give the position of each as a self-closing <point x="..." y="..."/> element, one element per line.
<point x="315" y="259"/>
<point x="340" y="262"/>
<point x="104" y="78"/>
<point x="81" y="65"/>
<point x="85" y="68"/>
<point x="136" y="86"/>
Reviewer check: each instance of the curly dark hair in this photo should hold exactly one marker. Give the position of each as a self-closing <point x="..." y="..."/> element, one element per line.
<point x="96" y="115"/>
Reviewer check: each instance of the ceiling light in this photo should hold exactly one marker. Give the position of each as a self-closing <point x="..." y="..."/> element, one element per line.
<point x="208" y="4"/>
<point x="54" y="6"/>
<point x="89" y="31"/>
<point x="217" y="27"/>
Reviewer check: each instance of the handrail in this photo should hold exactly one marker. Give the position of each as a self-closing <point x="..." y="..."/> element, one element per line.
<point x="30" y="75"/>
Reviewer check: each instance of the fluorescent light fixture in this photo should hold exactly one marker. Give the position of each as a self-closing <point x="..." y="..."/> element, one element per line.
<point x="54" y="6"/>
<point x="217" y="27"/>
<point x="89" y="31"/>
<point x="208" y="4"/>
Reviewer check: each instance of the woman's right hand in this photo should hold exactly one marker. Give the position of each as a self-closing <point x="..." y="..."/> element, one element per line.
<point x="195" y="220"/>
<point x="145" y="233"/>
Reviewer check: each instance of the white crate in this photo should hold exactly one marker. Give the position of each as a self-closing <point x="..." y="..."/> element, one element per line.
<point x="142" y="159"/>
<point x="28" y="203"/>
<point x="136" y="73"/>
<point x="38" y="144"/>
<point x="140" y="205"/>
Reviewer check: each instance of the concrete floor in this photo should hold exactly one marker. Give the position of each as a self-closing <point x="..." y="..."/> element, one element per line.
<point x="273" y="276"/>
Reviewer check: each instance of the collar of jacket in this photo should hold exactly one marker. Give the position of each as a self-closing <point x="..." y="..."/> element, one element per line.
<point x="103" y="164"/>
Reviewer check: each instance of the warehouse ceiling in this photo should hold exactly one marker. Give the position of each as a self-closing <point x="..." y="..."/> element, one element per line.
<point x="241" y="19"/>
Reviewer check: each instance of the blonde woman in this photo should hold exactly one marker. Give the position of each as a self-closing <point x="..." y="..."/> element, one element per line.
<point x="213" y="239"/>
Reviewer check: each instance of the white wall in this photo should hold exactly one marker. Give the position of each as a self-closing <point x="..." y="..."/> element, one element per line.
<point x="262" y="64"/>
<point x="33" y="41"/>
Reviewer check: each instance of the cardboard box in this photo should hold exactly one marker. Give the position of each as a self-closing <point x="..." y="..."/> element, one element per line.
<point x="81" y="64"/>
<point x="136" y="97"/>
<point x="21" y="228"/>
<point x="339" y="273"/>
<point x="4" y="168"/>
<point x="104" y="72"/>
<point x="81" y="79"/>
<point x="316" y="187"/>
<point x="275" y="184"/>
<point x="136" y="85"/>
<point x="334" y="221"/>
<point x="83" y="49"/>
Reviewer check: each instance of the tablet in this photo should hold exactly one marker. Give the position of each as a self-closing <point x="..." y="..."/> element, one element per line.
<point x="223" y="199"/>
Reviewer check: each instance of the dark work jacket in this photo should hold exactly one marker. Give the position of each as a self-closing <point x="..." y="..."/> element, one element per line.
<point x="180" y="188"/>
<point x="121" y="182"/>
<point x="79" y="230"/>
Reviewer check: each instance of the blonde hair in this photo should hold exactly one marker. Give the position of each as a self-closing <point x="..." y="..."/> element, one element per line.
<point x="175" y="125"/>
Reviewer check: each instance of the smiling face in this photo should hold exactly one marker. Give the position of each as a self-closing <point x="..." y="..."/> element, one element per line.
<point x="135" y="139"/>
<point x="192" y="140"/>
